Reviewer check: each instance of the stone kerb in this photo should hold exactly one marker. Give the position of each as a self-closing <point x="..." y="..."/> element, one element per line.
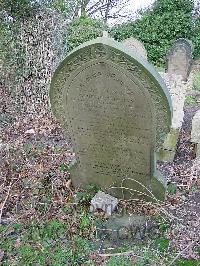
<point x="117" y="110"/>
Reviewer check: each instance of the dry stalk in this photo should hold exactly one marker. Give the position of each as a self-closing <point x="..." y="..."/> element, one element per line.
<point x="127" y="253"/>
<point x="4" y="202"/>
<point x="181" y="252"/>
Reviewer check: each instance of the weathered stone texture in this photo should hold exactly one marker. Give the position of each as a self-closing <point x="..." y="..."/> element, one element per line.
<point x="117" y="110"/>
<point x="103" y="202"/>
<point x="136" y="46"/>
<point x="177" y="88"/>
<point x="195" y="133"/>
<point x="179" y="59"/>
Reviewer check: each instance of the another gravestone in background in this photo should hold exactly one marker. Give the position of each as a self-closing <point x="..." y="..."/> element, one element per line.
<point x="179" y="59"/>
<point x="136" y="45"/>
<point x="177" y="89"/>
<point x="117" y="110"/>
<point x="195" y="133"/>
<point x="178" y="83"/>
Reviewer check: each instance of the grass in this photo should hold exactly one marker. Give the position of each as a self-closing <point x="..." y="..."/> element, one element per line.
<point x="119" y="261"/>
<point x="187" y="262"/>
<point x="44" y="243"/>
<point x="71" y="241"/>
<point x="172" y="188"/>
<point x="191" y="100"/>
<point x="63" y="232"/>
<point x="196" y="82"/>
<point x="50" y="224"/>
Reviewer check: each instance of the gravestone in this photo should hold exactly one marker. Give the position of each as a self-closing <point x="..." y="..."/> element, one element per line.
<point x="195" y="132"/>
<point x="179" y="59"/>
<point x="117" y="110"/>
<point x="177" y="89"/>
<point x="136" y="46"/>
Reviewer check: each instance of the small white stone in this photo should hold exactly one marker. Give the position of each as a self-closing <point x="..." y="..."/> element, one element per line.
<point x="30" y="131"/>
<point x="103" y="202"/>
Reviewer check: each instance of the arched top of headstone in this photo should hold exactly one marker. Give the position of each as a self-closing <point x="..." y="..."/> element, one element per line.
<point x="179" y="58"/>
<point x="136" y="45"/>
<point x="132" y="66"/>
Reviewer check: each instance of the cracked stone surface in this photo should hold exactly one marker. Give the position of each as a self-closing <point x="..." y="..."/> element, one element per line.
<point x="103" y="202"/>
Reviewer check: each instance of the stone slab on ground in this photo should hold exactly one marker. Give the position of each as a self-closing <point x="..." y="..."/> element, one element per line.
<point x="124" y="229"/>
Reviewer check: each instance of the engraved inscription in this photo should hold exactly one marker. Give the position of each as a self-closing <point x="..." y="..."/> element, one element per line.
<point x="180" y="58"/>
<point x="116" y="111"/>
<point x="111" y="123"/>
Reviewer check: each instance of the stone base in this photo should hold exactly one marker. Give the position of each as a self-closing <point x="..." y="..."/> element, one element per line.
<point x="150" y="189"/>
<point x="153" y="191"/>
<point x="159" y="186"/>
<point x="125" y="229"/>
<point x="168" y="150"/>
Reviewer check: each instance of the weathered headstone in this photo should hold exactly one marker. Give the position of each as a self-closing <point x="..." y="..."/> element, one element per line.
<point x="195" y="133"/>
<point x="179" y="59"/>
<point x="177" y="89"/>
<point x="136" y="46"/>
<point x="117" y="111"/>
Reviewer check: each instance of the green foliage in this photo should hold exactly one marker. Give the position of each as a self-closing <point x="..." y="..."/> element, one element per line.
<point x="160" y="27"/>
<point x="53" y="229"/>
<point x="11" y="49"/>
<point x="187" y="262"/>
<point x="197" y="81"/>
<point x="162" y="244"/>
<point x="88" y="192"/>
<point x="119" y="261"/>
<point x="191" y="100"/>
<point x="197" y="249"/>
<point x="64" y="167"/>
<point x="44" y="243"/>
<point x="7" y="45"/>
<point x="161" y="6"/>
<point x="81" y="250"/>
<point x="83" y="29"/>
<point x="164" y="226"/>
<point x="151" y="256"/>
<point x="172" y="188"/>
<point x="196" y="38"/>
<point x="18" y="9"/>
<point x="66" y="8"/>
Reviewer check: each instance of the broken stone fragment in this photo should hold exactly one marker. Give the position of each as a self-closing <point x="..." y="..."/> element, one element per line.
<point x="103" y="202"/>
<point x="30" y="131"/>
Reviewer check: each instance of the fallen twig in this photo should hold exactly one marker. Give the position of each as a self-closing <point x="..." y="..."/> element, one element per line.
<point x="4" y="202"/>
<point x="181" y="252"/>
<point x="127" y="253"/>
